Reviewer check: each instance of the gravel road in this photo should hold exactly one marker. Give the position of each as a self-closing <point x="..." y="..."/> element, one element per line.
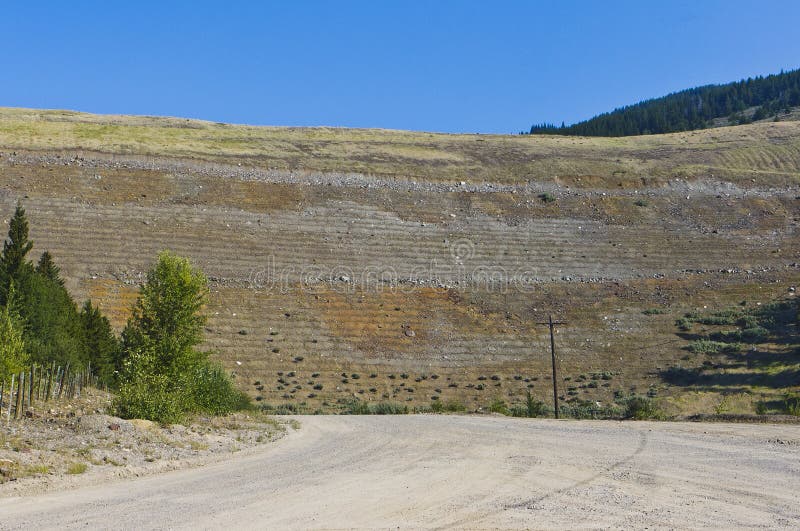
<point x="463" y="472"/>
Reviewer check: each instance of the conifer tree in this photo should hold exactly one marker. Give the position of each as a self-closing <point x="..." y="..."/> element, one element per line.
<point x="16" y="246"/>
<point x="101" y="344"/>
<point x="48" y="269"/>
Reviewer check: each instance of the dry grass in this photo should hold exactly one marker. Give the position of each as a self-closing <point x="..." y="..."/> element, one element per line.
<point x="732" y="152"/>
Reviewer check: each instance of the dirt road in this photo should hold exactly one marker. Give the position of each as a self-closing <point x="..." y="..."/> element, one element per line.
<point x="460" y="471"/>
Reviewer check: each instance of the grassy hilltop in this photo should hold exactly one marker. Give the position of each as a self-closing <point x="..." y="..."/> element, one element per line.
<point x="414" y="267"/>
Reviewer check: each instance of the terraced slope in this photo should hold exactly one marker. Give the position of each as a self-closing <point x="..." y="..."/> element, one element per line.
<point x="415" y="267"/>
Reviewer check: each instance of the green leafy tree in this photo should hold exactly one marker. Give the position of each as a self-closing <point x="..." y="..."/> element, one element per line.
<point x="13" y="357"/>
<point x="164" y="376"/>
<point x="167" y="322"/>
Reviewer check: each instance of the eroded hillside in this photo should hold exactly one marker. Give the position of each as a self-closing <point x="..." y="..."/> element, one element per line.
<point x="403" y="266"/>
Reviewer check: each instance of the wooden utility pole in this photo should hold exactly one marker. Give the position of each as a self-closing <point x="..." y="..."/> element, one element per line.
<point x="550" y="323"/>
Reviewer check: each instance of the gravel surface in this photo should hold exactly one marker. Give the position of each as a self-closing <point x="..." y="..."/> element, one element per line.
<point x="189" y="167"/>
<point x="64" y="444"/>
<point x="463" y="472"/>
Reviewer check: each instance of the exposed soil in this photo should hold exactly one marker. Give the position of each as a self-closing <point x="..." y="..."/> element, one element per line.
<point x="69" y="443"/>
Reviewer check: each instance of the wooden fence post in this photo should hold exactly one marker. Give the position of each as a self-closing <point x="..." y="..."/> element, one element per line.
<point x="39" y="383"/>
<point x="10" y="398"/>
<point x="20" y="394"/>
<point x="30" y="385"/>
<point x="61" y="382"/>
<point x="49" y="386"/>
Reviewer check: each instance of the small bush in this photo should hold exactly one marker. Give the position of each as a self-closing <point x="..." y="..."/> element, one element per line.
<point x="356" y="407"/>
<point x="532" y="408"/>
<point x="499" y="406"/>
<point x="454" y="407"/>
<point x="725" y="317"/>
<point x="792" y="404"/>
<point x="586" y="409"/>
<point x="76" y="468"/>
<point x="640" y="408"/>
<point x="705" y="346"/>
<point x="755" y="334"/>
<point x="359" y="407"/>
<point x="214" y="392"/>
<point x="547" y="197"/>
<point x="654" y="311"/>
<point x="388" y="408"/>
<point x="683" y="324"/>
<point x="150" y="397"/>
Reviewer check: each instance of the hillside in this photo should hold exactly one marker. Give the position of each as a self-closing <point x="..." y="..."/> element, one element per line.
<point x="391" y="265"/>
<point x="775" y="97"/>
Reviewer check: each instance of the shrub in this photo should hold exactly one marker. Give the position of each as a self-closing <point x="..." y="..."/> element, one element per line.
<point x="532" y="408"/>
<point x="705" y="346"/>
<point x="547" y="197"/>
<point x="640" y="408"/>
<point x="499" y="406"/>
<point x="359" y="407"/>
<point x="454" y="407"/>
<point x="654" y="311"/>
<point x="725" y="317"/>
<point x="792" y="404"/>
<point x="755" y="334"/>
<point x="213" y="391"/>
<point x="76" y="468"/>
<point x="151" y="397"/>
<point x="388" y="408"/>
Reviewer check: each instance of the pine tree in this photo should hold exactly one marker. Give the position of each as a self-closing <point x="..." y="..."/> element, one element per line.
<point x="101" y="344"/>
<point x="16" y="246"/>
<point x="48" y="269"/>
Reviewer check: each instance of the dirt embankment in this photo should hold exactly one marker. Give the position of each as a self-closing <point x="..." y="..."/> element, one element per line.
<point x="65" y="444"/>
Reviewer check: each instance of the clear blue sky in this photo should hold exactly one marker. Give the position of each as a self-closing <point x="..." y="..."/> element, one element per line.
<point x="436" y="65"/>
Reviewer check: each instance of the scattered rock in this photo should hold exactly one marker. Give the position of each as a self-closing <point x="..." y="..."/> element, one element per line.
<point x="143" y="425"/>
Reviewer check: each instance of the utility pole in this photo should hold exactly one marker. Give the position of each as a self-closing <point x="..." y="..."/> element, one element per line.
<point x="550" y="323"/>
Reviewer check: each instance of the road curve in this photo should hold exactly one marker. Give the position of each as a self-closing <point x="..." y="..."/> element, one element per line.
<point x="459" y="471"/>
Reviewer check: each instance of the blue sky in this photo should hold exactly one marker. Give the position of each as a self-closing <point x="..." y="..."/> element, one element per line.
<point x="438" y="65"/>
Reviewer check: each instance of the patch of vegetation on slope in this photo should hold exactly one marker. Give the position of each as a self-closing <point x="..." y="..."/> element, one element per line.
<point x="742" y="352"/>
<point x="740" y="102"/>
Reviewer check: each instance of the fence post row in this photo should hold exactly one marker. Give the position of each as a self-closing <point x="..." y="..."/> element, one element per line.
<point x="41" y="383"/>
